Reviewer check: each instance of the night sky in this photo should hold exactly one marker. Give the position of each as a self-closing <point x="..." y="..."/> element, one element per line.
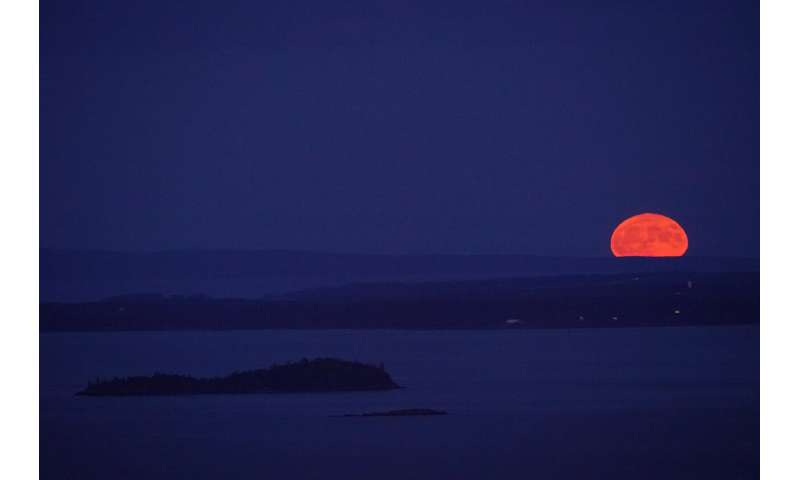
<point x="498" y="127"/>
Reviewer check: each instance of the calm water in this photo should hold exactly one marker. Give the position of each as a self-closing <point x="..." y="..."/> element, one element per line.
<point x="607" y="403"/>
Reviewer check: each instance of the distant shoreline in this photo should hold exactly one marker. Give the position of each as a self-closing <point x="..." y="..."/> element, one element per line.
<point x="390" y="329"/>
<point x="572" y="302"/>
<point x="86" y="276"/>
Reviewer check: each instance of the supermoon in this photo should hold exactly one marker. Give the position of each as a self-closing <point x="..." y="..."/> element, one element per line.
<point x="649" y="235"/>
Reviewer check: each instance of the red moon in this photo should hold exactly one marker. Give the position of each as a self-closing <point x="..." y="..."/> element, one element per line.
<point x="649" y="235"/>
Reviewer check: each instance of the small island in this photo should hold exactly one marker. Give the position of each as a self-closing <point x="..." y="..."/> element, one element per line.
<point x="318" y="375"/>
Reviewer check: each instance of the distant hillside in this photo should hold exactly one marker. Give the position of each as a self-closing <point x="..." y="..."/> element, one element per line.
<point x="70" y="275"/>
<point x="642" y="299"/>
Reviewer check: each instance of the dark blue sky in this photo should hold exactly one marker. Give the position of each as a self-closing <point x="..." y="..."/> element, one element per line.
<point x="498" y="127"/>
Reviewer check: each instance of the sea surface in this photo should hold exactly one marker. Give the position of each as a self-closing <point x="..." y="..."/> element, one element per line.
<point x="627" y="403"/>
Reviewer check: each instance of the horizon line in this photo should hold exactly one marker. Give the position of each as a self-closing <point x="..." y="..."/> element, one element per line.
<point x="369" y="254"/>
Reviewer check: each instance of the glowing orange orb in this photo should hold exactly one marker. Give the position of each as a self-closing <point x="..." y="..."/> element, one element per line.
<point x="649" y="235"/>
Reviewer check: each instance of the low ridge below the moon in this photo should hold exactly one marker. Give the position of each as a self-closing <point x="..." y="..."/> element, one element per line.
<point x="576" y="301"/>
<point x="404" y="412"/>
<point x="87" y="276"/>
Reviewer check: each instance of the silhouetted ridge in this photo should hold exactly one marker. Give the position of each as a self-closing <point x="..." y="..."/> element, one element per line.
<point x="318" y="375"/>
<point x="632" y="300"/>
<point x="405" y="412"/>
<point x="81" y="276"/>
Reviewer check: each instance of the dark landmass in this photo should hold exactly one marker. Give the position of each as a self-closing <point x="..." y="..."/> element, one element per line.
<point x="80" y="275"/>
<point x="651" y="299"/>
<point x="406" y="412"/>
<point x="319" y="375"/>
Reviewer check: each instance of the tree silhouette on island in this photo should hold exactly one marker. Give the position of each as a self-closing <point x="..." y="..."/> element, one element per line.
<point x="317" y="375"/>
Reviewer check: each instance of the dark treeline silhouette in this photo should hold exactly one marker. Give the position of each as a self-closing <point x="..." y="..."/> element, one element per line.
<point x="545" y="302"/>
<point x="318" y="375"/>
<point x="405" y="412"/>
<point x="76" y="275"/>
